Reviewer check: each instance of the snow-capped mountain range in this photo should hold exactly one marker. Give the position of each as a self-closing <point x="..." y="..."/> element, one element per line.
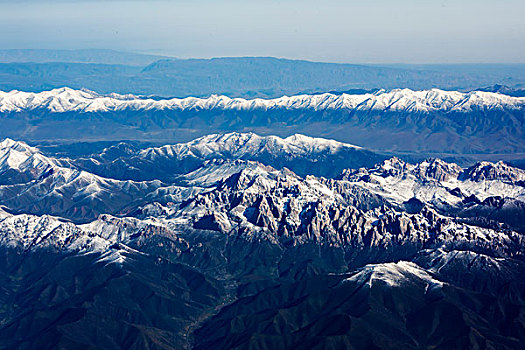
<point x="69" y="100"/>
<point x="432" y="121"/>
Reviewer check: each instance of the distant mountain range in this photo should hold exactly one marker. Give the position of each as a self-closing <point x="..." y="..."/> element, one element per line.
<point x="66" y="100"/>
<point x="109" y="71"/>
<point x="97" y="56"/>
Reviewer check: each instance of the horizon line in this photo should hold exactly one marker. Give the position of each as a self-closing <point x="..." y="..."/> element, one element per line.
<point x="285" y="58"/>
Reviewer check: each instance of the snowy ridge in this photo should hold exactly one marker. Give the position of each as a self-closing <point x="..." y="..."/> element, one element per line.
<point x="239" y="145"/>
<point x="437" y="182"/>
<point x="69" y="100"/>
<point x="392" y="202"/>
<point x="259" y="209"/>
<point x="54" y="186"/>
<point x="35" y="232"/>
<point x="236" y="237"/>
<point x="20" y="156"/>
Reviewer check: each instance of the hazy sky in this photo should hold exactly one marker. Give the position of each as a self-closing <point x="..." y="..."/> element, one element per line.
<point x="357" y="31"/>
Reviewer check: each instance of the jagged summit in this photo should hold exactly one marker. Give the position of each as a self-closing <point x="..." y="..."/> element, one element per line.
<point x="494" y="171"/>
<point x="20" y="156"/>
<point x="437" y="169"/>
<point x="250" y="169"/>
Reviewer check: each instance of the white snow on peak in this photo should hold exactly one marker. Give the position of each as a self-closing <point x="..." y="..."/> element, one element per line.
<point x="394" y="274"/>
<point x="16" y="145"/>
<point x="495" y="171"/>
<point x="315" y="144"/>
<point x="67" y="100"/>
<point x="435" y="181"/>
<point x="241" y="145"/>
<point x="20" y="156"/>
<point x="31" y="231"/>
<point x="62" y="179"/>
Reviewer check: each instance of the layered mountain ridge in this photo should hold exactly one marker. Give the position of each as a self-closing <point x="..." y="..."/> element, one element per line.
<point x="437" y="122"/>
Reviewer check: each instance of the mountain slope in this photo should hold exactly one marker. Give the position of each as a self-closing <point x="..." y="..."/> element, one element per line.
<point x="391" y="305"/>
<point x="241" y="254"/>
<point x="34" y="183"/>
<point x="120" y="180"/>
<point x="487" y="193"/>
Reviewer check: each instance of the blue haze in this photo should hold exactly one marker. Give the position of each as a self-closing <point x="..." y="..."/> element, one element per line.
<point x="372" y="31"/>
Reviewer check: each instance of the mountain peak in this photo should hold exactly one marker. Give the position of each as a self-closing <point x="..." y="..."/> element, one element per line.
<point x="493" y="171"/>
<point x="438" y="169"/>
<point x="394" y="274"/>
<point x="13" y="154"/>
<point x="308" y="142"/>
<point x="10" y="143"/>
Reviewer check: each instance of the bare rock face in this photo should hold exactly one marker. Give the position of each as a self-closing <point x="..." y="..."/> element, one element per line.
<point x="257" y="200"/>
<point x="486" y="171"/>
<point x="438" y="170"/>
<point x="276" y="205"/>
<point x="214" y="222"/>
<point x="430" y="169"/>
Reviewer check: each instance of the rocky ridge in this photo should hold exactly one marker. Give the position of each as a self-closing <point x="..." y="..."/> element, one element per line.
<point x="225" y="249"/>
